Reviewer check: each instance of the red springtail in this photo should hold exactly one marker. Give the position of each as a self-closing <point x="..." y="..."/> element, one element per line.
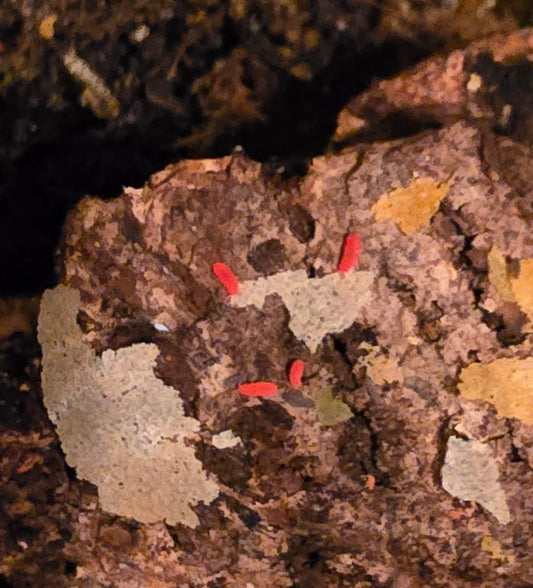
<point x="258" y="389"/>
<point x="350" y="253"/>
<point x="295" y="373"/>
<point x="226" y="277"/>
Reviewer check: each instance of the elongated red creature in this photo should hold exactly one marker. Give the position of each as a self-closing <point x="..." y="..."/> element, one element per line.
<point x="350" y="253"/>
<point x="370" y="482"/>
<point x="226" y="277"/>
<point x="258" y="389"/>
<point x="295" y="373"/>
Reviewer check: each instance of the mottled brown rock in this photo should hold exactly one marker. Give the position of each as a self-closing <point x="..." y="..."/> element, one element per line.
<point x="483" y="83"/>
<point x="296" y="505"/>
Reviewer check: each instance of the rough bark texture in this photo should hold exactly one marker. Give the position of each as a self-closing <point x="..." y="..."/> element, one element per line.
<point x="391" y="465"/>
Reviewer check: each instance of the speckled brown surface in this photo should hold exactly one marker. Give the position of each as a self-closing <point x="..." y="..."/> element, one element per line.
<point x="296" y="505"/>
<point x="487" y="83"/>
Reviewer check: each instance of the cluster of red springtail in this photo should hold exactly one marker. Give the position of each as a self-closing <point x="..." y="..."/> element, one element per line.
<point x="350" y="253"/>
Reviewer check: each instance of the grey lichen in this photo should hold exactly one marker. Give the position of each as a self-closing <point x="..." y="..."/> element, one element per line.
<point x="317" y="306"/>
<point x="119" y="425"/>
<point x="470" y="473"/>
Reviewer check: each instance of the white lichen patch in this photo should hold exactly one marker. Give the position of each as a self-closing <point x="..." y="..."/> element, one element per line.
<point x="225" y="439"/>
<point x="317" y="306"/>
<point x="470" y="472"/>
<point x="119" y="425"/>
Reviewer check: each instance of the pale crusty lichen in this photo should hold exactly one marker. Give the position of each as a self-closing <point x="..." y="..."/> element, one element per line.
<point x="119" y="425"/>
<point x="225" y="439"/>
<point x="471" y="473"/>
<point x="506" y="383"/>
<point x="317" y="306"/>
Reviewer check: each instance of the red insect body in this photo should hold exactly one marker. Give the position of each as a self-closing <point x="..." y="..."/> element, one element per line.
<point x="295" y="373"/>
<point x="258" y="389"/>
<point x="350" y="253"/>
<point x="226" y="277"/>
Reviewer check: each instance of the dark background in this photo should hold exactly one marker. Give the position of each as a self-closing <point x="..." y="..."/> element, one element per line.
<point x="205" y="77"/>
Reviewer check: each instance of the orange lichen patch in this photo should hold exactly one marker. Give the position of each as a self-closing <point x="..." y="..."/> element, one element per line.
<point x="505" y="383"/>
<point x="226" y="277"/>
<point x="370" y="482"/>
<point x="350" y="253"/>
<point x="295" y="373"/>
<point x="494" y="548"/>
<point x="258" y="389"/>
<point x="522" y="287"/>
<point x="411" y="208"/>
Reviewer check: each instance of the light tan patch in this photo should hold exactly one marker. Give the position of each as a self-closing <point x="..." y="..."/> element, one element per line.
<point x="384" y="370"/>
<point x="498" y="276"/>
